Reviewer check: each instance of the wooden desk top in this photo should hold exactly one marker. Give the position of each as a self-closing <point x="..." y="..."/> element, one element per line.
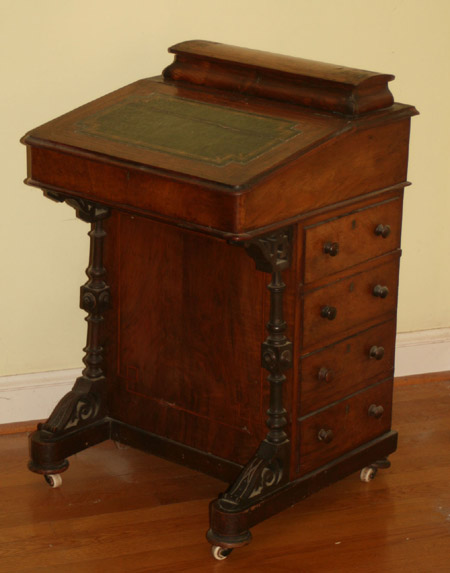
<point x="220" y="123"/>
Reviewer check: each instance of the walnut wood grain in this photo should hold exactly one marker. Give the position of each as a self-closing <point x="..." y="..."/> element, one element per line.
<point x="365" y="156"/>
<point x="350" y="425"/>
<point x="136" y="500"/>
<point x="355" y="235"/>
<point x="70" y="133"/>
<point x="353" y="299"/>
<point x="314" y="84"/>
<point x="187" y="365"/>
<point x="349" y="365"/>
<point x="358" y="163"/>
<point x="199" y="168"/>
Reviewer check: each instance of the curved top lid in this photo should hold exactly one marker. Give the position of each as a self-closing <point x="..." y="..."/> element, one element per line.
<point x="318" y="85"/>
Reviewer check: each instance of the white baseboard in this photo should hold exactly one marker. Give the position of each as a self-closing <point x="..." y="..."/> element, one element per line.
<point x="33" y="396"/>
<point x="422" y="351"/>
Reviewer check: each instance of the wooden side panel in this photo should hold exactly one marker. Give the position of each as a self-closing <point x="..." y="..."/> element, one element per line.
<point x="189" y="318"/>
<point x="343" y="168"/>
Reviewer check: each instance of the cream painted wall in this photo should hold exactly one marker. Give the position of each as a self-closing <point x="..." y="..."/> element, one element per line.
<point x="58" y="54"/>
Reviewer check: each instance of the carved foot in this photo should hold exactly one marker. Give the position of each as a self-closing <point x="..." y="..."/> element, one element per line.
<point x="231" y="514"/>
<point x="229" y="542"/>
<point x="77" y="422"/>
<point x="55" y="467"/>
<point x="49" y="450"/>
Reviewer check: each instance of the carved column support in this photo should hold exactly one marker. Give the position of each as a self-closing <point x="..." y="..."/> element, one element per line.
<point x="268" y="469"/>
<point x="84" y="403"/>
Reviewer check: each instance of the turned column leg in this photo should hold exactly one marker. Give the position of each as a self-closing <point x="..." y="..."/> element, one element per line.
<point x="267" y="471"/>
<point x="76" y="421"/>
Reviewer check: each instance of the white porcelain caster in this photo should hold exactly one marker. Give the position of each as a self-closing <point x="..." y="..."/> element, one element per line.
<point x="368" y="473"/>
<point x="219" y="552"/>
<point x="121" y="446"/>
<point x="53" y="480"/>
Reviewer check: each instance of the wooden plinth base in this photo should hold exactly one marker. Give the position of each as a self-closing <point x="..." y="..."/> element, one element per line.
<point x="48" y="452"/>
<point x="174" y="451"/>
<point x="228" y="528"/>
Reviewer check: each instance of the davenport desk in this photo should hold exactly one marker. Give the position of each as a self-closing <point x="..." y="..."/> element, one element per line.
<point x="245" y="213"/>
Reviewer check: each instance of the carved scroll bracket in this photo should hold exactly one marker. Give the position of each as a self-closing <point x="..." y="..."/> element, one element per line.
<point x="271" y="252"/>
<point x="266" y="471"/>
<point x="77" y="408"/>
<point x="87" y="211"/>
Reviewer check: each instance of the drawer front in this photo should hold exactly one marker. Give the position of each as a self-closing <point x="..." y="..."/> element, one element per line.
<point x="345" y="241"/>
<point x="344" y="426"/>
<point x="344" y="368"/>
<point x="348" y="303"/>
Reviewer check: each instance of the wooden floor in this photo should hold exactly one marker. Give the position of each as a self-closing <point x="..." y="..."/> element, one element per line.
<point x="117" y="510"/>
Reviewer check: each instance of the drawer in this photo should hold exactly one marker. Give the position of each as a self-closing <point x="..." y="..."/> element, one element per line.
<point x="344" y="368"/>
<point x="350" y="302"/>
<point x="345" y="241"/>
<point x="331" y="432"/>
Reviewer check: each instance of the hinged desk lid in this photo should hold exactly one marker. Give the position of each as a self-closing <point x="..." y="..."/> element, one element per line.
<point x="216" y="137"/>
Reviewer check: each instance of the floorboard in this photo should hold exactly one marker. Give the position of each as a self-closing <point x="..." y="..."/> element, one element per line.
<point x="124" y="511"/>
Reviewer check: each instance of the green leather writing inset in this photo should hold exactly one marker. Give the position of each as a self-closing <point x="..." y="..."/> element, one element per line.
<point x="194" y="130"/>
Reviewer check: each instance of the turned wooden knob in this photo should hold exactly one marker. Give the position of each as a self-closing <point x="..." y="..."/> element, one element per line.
<point x="325" y="375"/>
<point x="382" y="231"/>
<point x="376" y="352"/>
<point x="380" y="291"/>
<point x="329" y="312"/>
<point x="376" y="411"/>
<point x="325" y="435"/>
<point x="331" y="249"/>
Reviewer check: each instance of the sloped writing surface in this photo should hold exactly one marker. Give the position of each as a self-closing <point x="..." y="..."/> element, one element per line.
<point x="220" y="138"/>
<point x="195" y="130"/>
